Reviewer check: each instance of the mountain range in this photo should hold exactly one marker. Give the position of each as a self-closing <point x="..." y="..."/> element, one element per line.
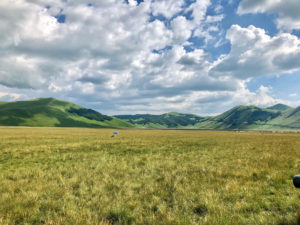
<point x="277" y="117"/>
<point x="50" y="112"/>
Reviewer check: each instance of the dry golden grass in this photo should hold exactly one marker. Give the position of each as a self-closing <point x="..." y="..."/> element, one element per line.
<point x="83" y="176"/>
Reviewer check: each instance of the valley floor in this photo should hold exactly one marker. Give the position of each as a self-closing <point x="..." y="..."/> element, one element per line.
<point x="86" y="176"/>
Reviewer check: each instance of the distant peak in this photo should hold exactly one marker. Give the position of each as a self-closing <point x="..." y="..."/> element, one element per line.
<point x="40" y="99"/>
<point x="243" y="107"/>
<point x="172" y="113"/>
<point x="280" y="107"/>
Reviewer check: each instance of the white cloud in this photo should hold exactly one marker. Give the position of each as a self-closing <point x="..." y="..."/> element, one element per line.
<point x="204" y="102"/>
<point x="113" y="34"/>
<point x="254" y="53"/>
<point x="204" y="26"/>
<point x="182" y="29"/>
<point x="116" y="56"/>
<point x="198" y="9"/>
<point x="167" y="8"/>
<point x="259" y="98"/>
<point x="288" y="11"/>
<point x="21" y="72"/>
<point x="4" y="96"/>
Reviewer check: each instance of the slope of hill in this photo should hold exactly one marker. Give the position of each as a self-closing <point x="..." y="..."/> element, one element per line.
<point x="280" y="107"/>
<point x="50" y="112"/>
<point x="277" y="117"/>
<point x="241" y="117"/>
<point x="289" y="119"/>
<point x="167" y="120"/>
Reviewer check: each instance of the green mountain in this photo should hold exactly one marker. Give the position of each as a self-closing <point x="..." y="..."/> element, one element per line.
<point x="277" y="117"/>
<point x="50" y="112"/>
<point x="241" y="117"/>
<point x="289" y="119"/>
<point x="167" y="120"/>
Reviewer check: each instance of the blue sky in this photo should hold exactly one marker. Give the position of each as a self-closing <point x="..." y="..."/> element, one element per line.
<point x="285" y="86"/>
<point x="152" y="56"/>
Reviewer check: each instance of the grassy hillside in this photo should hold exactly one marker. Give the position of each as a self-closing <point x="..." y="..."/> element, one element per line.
<point x="168" y="120"/>
<point x="277" y="117"/>
<point x="241" y="117"/>
<point x="76" y="176"/>
<point x="50" y="112"/>
<point x="289" y="119"/>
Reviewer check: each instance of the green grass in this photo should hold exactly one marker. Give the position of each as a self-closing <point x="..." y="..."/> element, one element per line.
<point x="83" y="176"/>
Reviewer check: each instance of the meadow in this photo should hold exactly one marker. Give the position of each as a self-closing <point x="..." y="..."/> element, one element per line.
<point x="84" y="176"/>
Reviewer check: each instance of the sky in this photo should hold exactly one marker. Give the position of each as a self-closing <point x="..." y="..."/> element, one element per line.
<point x="151" y="56"/>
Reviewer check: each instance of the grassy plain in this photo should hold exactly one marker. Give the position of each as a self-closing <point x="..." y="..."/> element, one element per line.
<point x="83" y="176"/>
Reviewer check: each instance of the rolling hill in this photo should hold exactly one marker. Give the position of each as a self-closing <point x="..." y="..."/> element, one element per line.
<point x="289" y="119"/>
<point x="50" y="112"/>
<point x="241" y="118"/>
<point x="277" y="117"/>
<point x="167" y="120"/>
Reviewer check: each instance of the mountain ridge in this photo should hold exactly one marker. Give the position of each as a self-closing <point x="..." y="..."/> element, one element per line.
<point x="238" y="118"/>
<point x="51" y="112"/>
<point x="280" y="107"/>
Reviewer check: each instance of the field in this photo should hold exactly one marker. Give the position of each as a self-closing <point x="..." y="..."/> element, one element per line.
<point x="83" y="176"/>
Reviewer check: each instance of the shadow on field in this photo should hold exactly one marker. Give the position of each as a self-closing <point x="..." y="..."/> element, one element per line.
<point x="296" y="221"/>
<point x="120" y="217"/>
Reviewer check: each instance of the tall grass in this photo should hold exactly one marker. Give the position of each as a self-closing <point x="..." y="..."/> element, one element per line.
<point x="83" y="176"/>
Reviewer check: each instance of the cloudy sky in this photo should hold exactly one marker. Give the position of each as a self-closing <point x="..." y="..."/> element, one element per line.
<point x="151" y="56"/>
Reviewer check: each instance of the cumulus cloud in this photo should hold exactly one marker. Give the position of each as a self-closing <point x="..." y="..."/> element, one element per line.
<point x="102" y="38"/>
<point x="198" y="10"/>
<point x="288" y="11"/>
<point x="254" y="53"/>
<point x="182" y="29"/>
<point x="205" y="102"/>
<point x="167" y="8"/>
<point x="124" y="56"/>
